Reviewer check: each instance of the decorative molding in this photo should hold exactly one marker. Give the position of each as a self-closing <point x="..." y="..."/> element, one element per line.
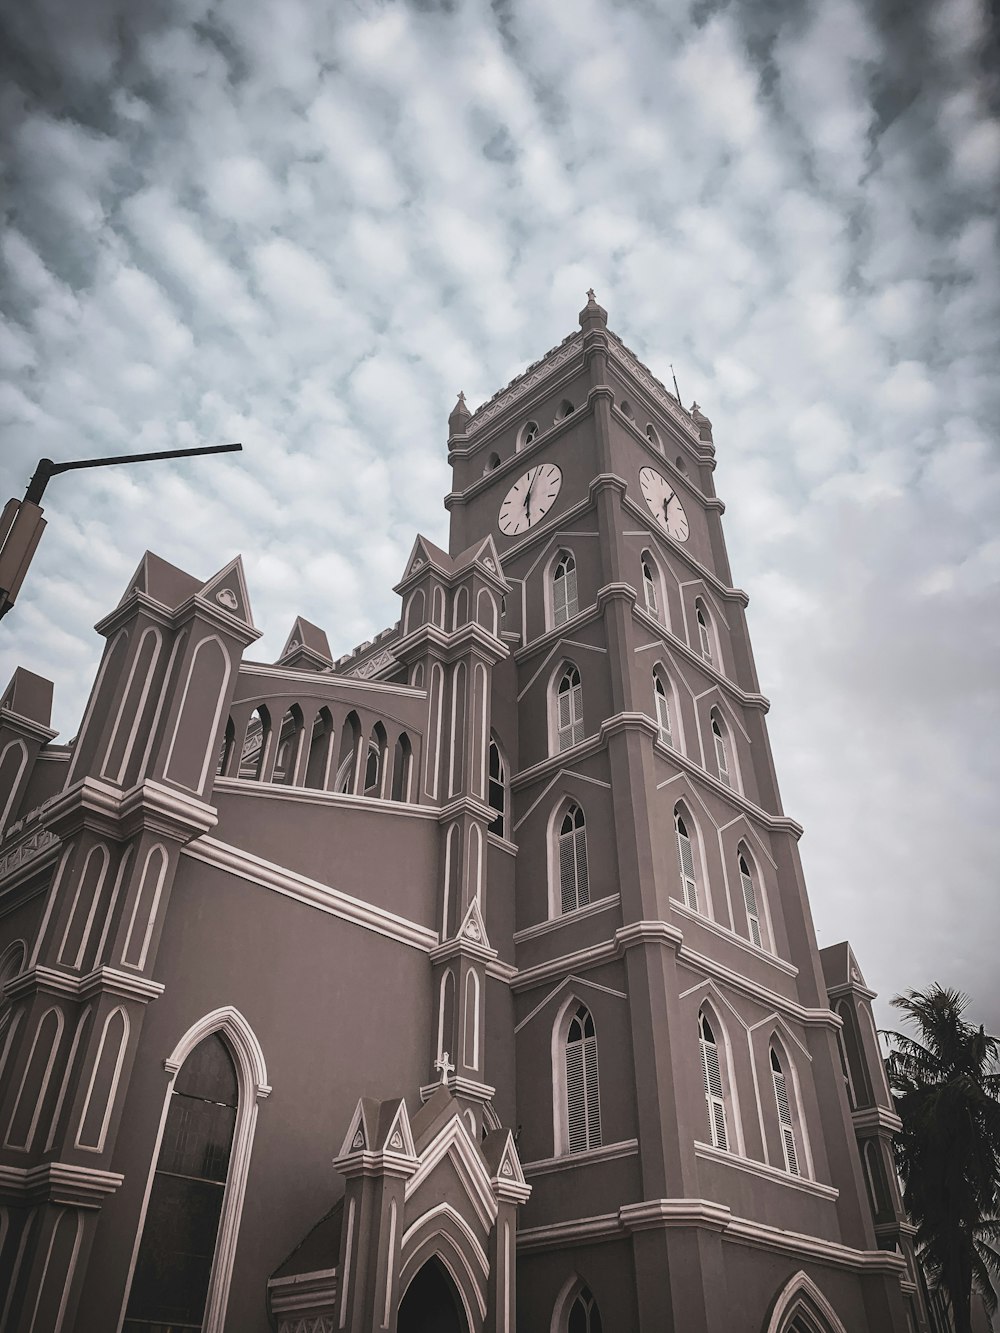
<point x="311" y="892"/>
<point x="567" y="918"/>
<point x="374" y="665"/>
<point x="874" y="1118"/>
<point x="762" y="1169"/>
<point x="608" y="1152"/>
<point x="300" y="678"/>
<point x="657" y="1213"/>
<point x="58" y="1182"/>
<point x="27" y="849"/>
<point x="731" y="937"/>
<point x="522" y="384"/>
<point x="278" y="791"/>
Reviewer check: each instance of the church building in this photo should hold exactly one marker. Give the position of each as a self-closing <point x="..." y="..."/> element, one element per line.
<point x="463" y="984"/>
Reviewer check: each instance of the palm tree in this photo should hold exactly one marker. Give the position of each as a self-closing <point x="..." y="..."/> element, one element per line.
<point x="946" y="1087"/>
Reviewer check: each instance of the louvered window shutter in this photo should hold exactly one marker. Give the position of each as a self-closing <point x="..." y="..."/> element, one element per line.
<point x="753" y="916"/>
<point x="576" y="711"/>
<point x="663" y="715"/>
<point x="785" y="1121"/>
<point x="582" y="878"/>
<point x="687" y="870"/>
<point x="593" y="1092"/>
<point x="706" y="643"/>
<point x="565" y="719"/>
<point x="567" y="871"/>
<point x="572" y="604"/>
<point x="560" y="614"/>
<point x="650" y="590"/>
<point x="576" y="1101"/>
<point x="720" y="755"/>
<point x="713" y="1093"/>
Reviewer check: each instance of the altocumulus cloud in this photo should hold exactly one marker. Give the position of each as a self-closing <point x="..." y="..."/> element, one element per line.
<point x="306" y="226"/>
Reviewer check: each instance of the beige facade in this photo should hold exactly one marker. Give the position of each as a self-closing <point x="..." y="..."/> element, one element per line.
<point x="467" y="982"/>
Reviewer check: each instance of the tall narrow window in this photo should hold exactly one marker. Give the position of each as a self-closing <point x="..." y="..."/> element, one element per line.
<point x="652" y="437"/>
<point x="584" y="1316"/>
<point x="750" y="902"/>
<point x="721" y="749"/>
<point x="711" y="1071"/>
<point x="175" y="1257"/>
<point x="255" y="744"/>
<point x="402" y="768"/>
<point x="843" y="1009"/>
<point x="497" y="790"/>
<point x="583" y="1106"/>
<point x="564" y="599"/>
<point x="685" y="852"/>
<point x="11" y="962"/>
<point x="663" y="719"/>
<point x="569" y="709"/>
<point x="375" y="760"/>
<point x="876" y="1179"/>
<point x="574" y="882"/>
<point x="527" y="435"/>
<point x="226" y="749"/>
<point x="649" y="587"/>
<point x="784" y="1115"/>
<point x="704" y="637"/>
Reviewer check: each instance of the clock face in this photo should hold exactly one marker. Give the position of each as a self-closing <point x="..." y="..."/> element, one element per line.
<point x="663" y="503"/>
<point x="529" y="499"/>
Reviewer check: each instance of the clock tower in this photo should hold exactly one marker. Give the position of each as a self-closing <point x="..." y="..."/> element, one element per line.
<point x="679" y="1082"/>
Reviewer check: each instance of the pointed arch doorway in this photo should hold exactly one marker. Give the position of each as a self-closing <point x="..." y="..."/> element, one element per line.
<point x="431" y="1303"/>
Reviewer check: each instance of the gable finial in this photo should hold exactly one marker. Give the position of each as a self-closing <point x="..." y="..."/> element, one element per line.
<point x="591" y="296"/>
<point x="460" y="415"/>
<point x="592" y="315"/>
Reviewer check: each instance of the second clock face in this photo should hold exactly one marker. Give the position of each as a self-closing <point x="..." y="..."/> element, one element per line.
<point x="529" y="499"/>
<point x="663" y="503"/>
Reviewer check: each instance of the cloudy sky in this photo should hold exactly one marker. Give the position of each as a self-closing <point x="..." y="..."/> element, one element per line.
<point x="305" y="226"/>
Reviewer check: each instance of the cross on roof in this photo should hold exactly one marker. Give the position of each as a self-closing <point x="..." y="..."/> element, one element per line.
<point x="444" y="1066"/>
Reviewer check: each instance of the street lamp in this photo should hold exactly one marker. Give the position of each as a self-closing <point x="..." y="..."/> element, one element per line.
<point x="22" y="525"/>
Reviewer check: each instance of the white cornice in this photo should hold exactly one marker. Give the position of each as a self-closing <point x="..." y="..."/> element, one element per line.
<point x="567" y="918"/>
<point x="311" y="892"/>
<point x="102" y="981"/>
<point x="61" y="1182"/>
<point x="27" y="726"/>
<point x="326" y="678"/>
<point x="874" y="1118"/>
<point x="708" y="1215"/>
<point x="608" y="1152"/>
<point x="277" y="791"/>
<point x="731" y="937"/>
<point x="766" y="1172"/>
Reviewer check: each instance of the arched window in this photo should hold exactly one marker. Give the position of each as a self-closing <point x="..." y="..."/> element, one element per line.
<point x="378" y="745"/>
<point x="626" y="409"/>
<point x="497" y="790"/>
<point x="569" y="708"/>
<point x="785" y="1125"/>
<point x="704" y="633"/>
<point x="564" y="599"/>
<point x="661" y="695"/>
<point x="652" y="437"/>
<point x="289" y="743"/>
<point x="320" y="751"/>
<point x="583" y="1105"/>
<point x="876" y="1179"/>
<point x="685" y="854"/>
<point x="527" y="434"/>
<point x="584" y="1316"/>
<point x="574" y="881"/>
<point x="750" y="901"/>
<point x="256" y="744"/>
<point x="843" y="1035"/>
<point x="566" y="409"/>
<point x="174" y="1264"/>
<point x="402" y="768"/>
<point x="649" y="585"/>
<point x="226" y="749"/>
<point x="720" y="736"/>
<point x="11" y="962"/>
<point x="350" y="747"/>
<point x="492" y="463"/>
<point x="711" y="1072"/>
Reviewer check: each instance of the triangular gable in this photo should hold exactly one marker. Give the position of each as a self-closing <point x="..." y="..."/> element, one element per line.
<point x="500" y="1154"/>
<point x="836" y="963"/>
<point x="29" y="696"/>
<point x="362" y="1129"/>
<point x="483" y="553"/>
<point x="854" y="973"/>
<point x="228" y="589"/>
<point x="473" y="927"/>
<point x="307" y="641"/>
<point x="454" y="1143"/>
<point x="161" y="581"/>
<point x="394" y="1133"/>
<point x="425" y="552"/>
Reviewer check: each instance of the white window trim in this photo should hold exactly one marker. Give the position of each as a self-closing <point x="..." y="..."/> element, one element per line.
<point x="793" y="1092"/>
<point x="704" y="907"/>
<point x="757" y="882"/>
<point x="553" y="707"/>
<point x="715" y="657"/>
<point x="560" y="1100"/>
<point x="674" y="705"/>
<point x="662" y="613"/>
<point x="548" y="588"/>
<point x="251" y="1078"/>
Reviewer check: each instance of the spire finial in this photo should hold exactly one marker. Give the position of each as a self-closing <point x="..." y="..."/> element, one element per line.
<point x="591" y="297"/>
<point x="592" y="315"/>
<point x="459" y="416"/>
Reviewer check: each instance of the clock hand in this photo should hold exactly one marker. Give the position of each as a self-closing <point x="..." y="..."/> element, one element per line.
<point x="666" y="502"/>
<point x="527" y="494"/>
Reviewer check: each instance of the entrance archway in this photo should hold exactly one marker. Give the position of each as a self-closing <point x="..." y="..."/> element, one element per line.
<point x="431" y="1304"/>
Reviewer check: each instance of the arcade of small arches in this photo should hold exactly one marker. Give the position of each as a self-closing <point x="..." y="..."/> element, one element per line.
<point x="337" y="755"/>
